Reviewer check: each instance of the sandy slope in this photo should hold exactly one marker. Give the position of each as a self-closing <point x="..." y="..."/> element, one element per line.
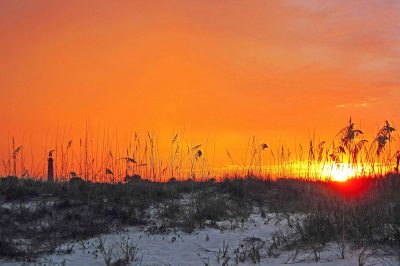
<point x="179" y="248"/>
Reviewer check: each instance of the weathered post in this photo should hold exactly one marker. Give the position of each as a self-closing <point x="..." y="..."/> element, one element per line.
<point x="50" y="168"/>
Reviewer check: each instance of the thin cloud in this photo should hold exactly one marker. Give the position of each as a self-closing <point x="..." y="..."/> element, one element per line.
<point x="364" y="104"/>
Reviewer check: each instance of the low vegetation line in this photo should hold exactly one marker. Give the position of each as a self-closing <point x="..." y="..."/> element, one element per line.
<point x="36" y="217"/>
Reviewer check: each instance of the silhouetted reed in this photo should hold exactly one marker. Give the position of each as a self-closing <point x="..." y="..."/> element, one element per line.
<point x="104" y="158"/>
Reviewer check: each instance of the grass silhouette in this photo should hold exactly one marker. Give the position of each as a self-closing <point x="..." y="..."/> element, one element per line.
<point x="105" y="159"/>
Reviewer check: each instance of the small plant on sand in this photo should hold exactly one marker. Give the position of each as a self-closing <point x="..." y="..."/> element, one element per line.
<point x="222" y="256"/>
<point x="122" y="252"/>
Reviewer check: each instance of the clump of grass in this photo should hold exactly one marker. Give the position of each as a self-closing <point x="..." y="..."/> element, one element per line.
<point x="122" y="252"/>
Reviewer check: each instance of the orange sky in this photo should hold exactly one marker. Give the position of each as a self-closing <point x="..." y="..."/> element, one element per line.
<point x="223" y="70"/>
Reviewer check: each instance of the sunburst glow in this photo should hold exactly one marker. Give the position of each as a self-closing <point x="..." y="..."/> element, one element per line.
<point x="340" y="173"/>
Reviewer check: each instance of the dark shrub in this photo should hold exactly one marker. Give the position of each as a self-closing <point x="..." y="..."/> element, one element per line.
<point x="171" y="210"/>
<point x="132" y="179"/>
<point x="318" y="228"/>
<point x="7" y="249"/>
<point x="210" y="207"/>
<point x="19" y="192"/>
<point x="76" y="179"/>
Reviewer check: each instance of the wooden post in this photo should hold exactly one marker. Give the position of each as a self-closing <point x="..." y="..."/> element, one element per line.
<point x="50" y="169"/>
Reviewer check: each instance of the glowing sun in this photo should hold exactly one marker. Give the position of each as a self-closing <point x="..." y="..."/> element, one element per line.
<point x="340" y="173"/>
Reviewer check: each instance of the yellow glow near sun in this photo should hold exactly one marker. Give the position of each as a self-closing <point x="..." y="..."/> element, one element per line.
<point x="340" y="173"/>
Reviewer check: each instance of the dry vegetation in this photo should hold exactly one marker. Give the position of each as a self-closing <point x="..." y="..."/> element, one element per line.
<point x="104" y="190"/>
<point x="103" y="157"/>
<point x="36" y="217"/>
